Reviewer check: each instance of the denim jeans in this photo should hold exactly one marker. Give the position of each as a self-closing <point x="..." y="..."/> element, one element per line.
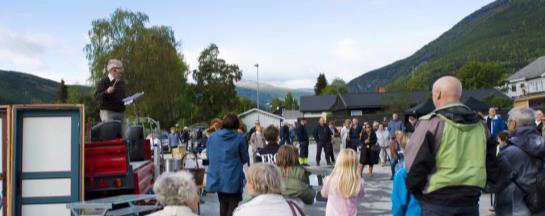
<point x="384" y="154"/>
<point x="393" y="164"/>
<point x="429" y="209"/>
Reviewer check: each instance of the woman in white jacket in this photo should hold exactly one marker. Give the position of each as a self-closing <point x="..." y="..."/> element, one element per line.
<point x="344" y="133"/>
<point x="383" y="143"/>
<point x="264" y="185"/>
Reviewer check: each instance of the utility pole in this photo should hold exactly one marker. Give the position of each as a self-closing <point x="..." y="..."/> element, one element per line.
<point x="257" y="71"/>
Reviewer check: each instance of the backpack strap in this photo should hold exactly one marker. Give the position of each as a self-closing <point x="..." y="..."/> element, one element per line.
<point x="295" y="207"/>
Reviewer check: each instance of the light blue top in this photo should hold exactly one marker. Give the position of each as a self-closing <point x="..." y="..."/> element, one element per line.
<point x="403" y="203"/>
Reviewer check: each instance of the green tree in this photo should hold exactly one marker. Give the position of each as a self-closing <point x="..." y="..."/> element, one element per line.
<point x="276" y="104"/>
<point x="476" y="75"/>
<point x="62" y="93"/>
<point x="77" y="95"/>
<point x="321" y="83"/>
<point x="397" y="104"/>
<point x="151" y="60"/>
<point x="502" y="103"/>
<point x="215" y="84"/>
<point x="337" y="86"/>
<point x="245" y="104"/>
<point x="290" y="102"/>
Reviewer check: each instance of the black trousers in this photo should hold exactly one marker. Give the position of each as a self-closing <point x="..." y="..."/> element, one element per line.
<point x="228" y="202"/>
<point x="352" y="143"/>
<point x="328" y="151"/>
<point x="303" y="150"/>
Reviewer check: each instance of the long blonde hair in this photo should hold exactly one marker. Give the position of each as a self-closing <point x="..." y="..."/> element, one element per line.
<point x="346" y="171"/>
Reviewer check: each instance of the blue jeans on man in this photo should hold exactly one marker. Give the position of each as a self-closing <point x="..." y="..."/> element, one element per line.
<point x="395" y="165"/>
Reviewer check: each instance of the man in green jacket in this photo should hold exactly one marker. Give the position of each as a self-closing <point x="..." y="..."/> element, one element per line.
<point x="449" y="157"/>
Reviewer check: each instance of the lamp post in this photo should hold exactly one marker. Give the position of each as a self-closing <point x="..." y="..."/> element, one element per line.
<point x="257" y="72"/>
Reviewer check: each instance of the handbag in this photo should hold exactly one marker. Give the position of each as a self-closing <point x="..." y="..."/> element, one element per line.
<point x="375" y="148"/>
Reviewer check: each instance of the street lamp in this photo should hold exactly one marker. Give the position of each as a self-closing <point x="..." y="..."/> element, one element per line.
<point x="257" y="72"/>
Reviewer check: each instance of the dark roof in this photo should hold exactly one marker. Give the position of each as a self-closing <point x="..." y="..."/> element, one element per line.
<point x="379" y="100"/>
<point x="427" y="106"/>
<point x="534" y="69"/>
<point x="421" y="109"/>
<point x="475" y="104"/>
<point x="317" y="103"/>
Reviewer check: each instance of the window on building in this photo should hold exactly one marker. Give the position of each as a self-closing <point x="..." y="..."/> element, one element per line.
<point x="356" y="113"/>
<point x="514" y="88"/>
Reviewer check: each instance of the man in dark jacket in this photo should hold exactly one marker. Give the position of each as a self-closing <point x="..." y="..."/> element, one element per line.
<point x="285" y="134"/>
<point x="323" y="136"/>
<point x="302" y="135"/>
<point x="411" y="125"/>
<point x="110" y="92"/>
<point x="519" y="162"/>
<point x="354" y="135"/>
<point x="448" y="158"/>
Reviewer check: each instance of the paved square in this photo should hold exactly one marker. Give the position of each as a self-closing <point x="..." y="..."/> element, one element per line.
<point x="376" y="201"/>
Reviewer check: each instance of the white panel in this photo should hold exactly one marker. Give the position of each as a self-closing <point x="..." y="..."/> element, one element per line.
<point x="46" y="210"/>
<point x="265" y="120"/>
<point x="46" y="144"/>
<point x="46" y="188"/>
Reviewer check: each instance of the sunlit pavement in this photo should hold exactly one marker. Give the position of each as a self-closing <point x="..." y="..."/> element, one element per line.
<point x="376" y="200"/>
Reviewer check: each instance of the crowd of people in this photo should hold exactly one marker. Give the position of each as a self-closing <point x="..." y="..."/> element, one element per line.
<point x="441" y="163"/>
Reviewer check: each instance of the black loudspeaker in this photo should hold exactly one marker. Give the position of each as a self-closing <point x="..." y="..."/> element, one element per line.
<point x="135" y="143"/>
<point x="106" y="131"/>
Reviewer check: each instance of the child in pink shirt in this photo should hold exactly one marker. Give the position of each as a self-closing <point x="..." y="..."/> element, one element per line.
<point x="344" y="187"/>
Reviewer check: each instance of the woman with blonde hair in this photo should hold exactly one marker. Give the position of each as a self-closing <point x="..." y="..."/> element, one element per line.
<point x="296" y="178"/>
<point x="345" y="186"/>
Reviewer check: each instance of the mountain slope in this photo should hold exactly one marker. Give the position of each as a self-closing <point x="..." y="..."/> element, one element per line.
<point x="23" y="88"/>
<point x="268" y="92"/>
<point x="510" y="32"/>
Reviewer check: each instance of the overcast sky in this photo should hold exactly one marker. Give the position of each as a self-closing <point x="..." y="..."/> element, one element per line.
<point x="292" y="40"/>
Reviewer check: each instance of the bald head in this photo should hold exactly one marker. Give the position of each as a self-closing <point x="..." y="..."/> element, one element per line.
<point x="447" y="89"/>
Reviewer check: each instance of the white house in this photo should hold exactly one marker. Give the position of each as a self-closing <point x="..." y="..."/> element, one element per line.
<point x="291" y="116"/>
<point x="529" y="80"/>
<point x="265" y="118"/>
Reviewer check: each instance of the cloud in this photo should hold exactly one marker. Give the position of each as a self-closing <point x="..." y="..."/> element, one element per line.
<point x="43" y="55"/>
<point x="349" y="51"/>
<point x="21" y="51"/>
<point x="298" y="66"/>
